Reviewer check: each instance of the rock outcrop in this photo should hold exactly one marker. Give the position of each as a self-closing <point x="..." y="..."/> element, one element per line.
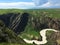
<point x="15" y="22"/>
<point x="55" y="38"/>
<point x="46" y="22"/>
<point x="9" y="36"/>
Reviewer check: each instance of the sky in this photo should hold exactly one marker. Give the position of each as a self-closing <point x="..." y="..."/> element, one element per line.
<point x="29" y="4"/>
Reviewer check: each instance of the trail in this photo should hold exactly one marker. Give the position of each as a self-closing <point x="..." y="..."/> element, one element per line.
<point x="43" y="34"/>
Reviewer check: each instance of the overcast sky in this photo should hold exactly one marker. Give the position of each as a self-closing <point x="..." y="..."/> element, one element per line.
<point x="27" y="4"/>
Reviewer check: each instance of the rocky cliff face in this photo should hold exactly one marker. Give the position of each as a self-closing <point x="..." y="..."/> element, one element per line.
<point x="12" y="24"/>
<point x="8" y="36"/>
<point x="54" y="38"/>
<point x="40" y="23"/>
<point x="16" y="22"/>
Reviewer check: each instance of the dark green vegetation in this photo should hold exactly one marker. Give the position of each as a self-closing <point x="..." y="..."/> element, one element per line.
<point x="16" y="27"/>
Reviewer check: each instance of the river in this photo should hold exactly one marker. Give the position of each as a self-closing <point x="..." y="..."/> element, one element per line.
<point x="43" y="34"/>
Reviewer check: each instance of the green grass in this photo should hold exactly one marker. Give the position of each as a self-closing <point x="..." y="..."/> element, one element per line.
<point x="50" y="12"/>
<point x="8" y="44"/>
<point x="29" y="32"/>
<point x="49" y="33"/>
<point x="13" y="44"/>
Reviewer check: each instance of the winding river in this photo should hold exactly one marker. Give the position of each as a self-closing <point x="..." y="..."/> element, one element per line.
<point x="43" y="34"/>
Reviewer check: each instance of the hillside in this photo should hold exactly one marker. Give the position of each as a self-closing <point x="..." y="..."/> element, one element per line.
<point x="15" y="25"/>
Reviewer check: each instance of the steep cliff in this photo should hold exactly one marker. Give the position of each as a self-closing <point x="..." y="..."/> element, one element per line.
<point x="16" y="22"/>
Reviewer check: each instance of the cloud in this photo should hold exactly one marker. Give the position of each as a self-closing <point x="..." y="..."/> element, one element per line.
<point x="54" y="1"/>
<point x="47" y="3"/>
<point x="21" y="5"/>
<point x="40" y="2"/>
<point x="34" y="4"/>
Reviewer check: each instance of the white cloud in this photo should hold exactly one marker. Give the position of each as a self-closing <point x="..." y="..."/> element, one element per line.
<point x="17" y="5"/>
<point x="54" y="1"/>
<point x="47" y="3"/>
<point x="40" y="2"/>
<point x="34" y="4"/>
